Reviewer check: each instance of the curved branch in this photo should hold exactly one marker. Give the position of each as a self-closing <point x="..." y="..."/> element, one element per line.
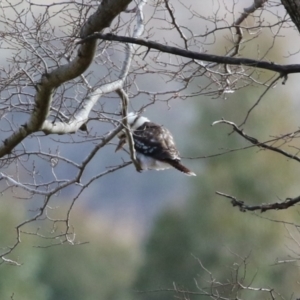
<point x="255" y="142"/>
<point x="263" y="207"/>
<point x="81" y="116"/>
<point x="282" y="69"/>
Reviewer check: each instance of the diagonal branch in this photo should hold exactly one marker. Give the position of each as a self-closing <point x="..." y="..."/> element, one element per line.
<point x="259" y="99"/>
<point x="293" y="8"/>
<point x="81" y="116"/>
<point x="45" y="88"/>
<point x="238" y="36"/>
<point x="254" y="141"/>
<point x="283" y="70"/>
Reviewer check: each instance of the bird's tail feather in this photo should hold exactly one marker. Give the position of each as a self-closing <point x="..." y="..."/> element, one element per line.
<point x="122" y="142"/>
<point x="177" y="165"/>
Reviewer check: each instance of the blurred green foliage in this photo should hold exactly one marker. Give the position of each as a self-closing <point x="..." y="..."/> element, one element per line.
<point x="104" y="268"/>
<point x="208" y="229"/>
<point x="205" y="234"/>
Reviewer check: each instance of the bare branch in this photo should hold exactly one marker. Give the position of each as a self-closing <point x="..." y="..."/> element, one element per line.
<point x="289" y="202"/>
<point x="259" y="99"/>
<point x="45" y="88"/>
<point x="82" y="115"/>
<point x="255" y="142"/>
<point x="237" y="25"/>
<point x="125" y="101"/>
<point x="282" y="69"/>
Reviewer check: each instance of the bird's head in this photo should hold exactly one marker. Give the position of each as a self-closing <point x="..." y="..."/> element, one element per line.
<point x="135" y="120"/>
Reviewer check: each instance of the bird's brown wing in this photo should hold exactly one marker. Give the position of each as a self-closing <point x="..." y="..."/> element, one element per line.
<point x="155" y="141"/>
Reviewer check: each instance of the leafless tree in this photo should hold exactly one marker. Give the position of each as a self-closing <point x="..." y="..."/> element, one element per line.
<point x="54" y="70"/>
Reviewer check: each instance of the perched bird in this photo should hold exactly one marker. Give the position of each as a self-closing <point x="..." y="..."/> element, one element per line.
<point x="154" y="145"/>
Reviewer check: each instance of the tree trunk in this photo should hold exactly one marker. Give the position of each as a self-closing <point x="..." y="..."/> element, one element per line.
<point x="293" y="9"/>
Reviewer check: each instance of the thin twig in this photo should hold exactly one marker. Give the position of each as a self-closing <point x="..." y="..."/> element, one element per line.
<point x="254" y="141"/>
<point x="259" y="99"/>
<point x="125" y="101"/>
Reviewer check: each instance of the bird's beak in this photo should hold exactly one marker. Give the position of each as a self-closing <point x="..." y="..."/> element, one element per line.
<point x="122" y="142"/>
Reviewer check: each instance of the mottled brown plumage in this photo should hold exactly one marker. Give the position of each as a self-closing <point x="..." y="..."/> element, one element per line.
<point x="154" y="145"/>
<point x="155" y="140"/>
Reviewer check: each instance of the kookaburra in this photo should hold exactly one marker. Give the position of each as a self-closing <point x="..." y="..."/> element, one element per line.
<point x="154" y="145"/>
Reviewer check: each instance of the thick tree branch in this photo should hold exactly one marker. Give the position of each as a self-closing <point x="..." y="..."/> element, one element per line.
<point x="107" y="11"/>
<point x="284" y="70"/>
<point x="81" y="116"/>
<point x="263" y="207"/>
<point x="293" y="9"/>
